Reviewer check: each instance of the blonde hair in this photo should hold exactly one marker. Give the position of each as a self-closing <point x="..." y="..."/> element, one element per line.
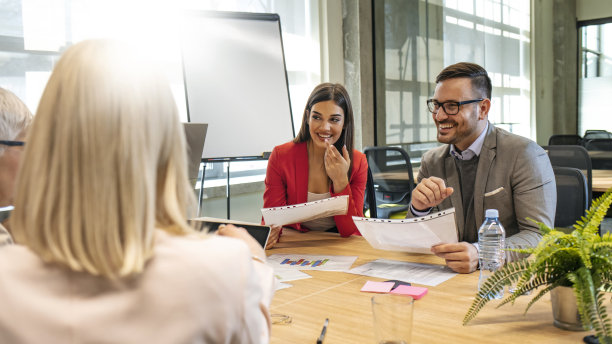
<point x="15" y="117"/>
<point x="104" y="165"/>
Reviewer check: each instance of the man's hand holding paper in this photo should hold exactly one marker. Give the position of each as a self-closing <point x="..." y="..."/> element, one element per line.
<point x="462" y="257"/>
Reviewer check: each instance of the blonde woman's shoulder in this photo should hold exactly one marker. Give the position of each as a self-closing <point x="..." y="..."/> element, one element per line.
<point x="199" y="245"/>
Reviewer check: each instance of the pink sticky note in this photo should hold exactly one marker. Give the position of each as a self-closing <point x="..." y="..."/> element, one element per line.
<point x="415" y="292"/>
<point x="377" y="287"/>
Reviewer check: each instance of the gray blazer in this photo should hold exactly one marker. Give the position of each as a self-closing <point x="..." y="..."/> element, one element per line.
<point x="514" y="176"/>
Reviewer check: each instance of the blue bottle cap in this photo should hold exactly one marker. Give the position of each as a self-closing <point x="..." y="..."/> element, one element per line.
<point x="491" y="213"/>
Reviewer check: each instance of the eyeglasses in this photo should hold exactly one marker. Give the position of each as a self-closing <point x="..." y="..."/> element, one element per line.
<point x="450" y="107"/>
<point x="12" y="143"/>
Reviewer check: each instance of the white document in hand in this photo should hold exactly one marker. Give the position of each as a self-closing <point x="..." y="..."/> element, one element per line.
<point x="415" y="235"/>
<point x="303" y="212"/>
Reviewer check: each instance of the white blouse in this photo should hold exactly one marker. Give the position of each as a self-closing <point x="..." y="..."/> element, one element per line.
<point x="321" y="224"/>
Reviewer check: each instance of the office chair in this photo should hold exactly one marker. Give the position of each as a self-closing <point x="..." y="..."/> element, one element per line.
<point x="391" y="181"/>
<point x="575" y="157"/>
<point x="600" y="151"/>
<point x="556" y="140"/>
<point x="598" y="145"/>
<point x="596" y="134"/>
<point x="369" y="204"/>
<point x="572" y="196"/>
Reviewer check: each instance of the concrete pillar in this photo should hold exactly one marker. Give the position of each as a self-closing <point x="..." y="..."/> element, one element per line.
<point x="565" y="88"/>
<point x="555" y="63"/>
<point x="358" y="67"/>
<point x="331" y="36"/>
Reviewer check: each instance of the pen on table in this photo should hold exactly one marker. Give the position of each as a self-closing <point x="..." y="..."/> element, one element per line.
<point x="322" y="336"/>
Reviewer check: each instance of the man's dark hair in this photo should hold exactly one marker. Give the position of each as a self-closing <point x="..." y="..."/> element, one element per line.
<point x="481" y="82"/>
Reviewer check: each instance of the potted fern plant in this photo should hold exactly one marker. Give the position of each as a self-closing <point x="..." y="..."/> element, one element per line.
<point x="580" y="260"/>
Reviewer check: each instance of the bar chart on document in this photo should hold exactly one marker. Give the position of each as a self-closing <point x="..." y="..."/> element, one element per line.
<point x="304" y="262"/>
<point x="311" y="262"/>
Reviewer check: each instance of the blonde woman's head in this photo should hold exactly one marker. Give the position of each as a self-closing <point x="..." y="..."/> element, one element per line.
<point x="104" y="164"/>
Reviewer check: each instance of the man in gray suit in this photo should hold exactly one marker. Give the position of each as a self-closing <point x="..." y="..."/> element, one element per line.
<point x="480" y="167"/>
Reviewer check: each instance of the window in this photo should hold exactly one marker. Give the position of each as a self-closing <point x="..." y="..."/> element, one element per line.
<point x="595" y="76"/>
<point x="422" y="37"/>
<point x="33" y="33"/>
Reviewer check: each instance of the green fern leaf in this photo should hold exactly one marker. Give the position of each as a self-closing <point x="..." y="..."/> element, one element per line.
<point x="590" y="304"/>
<point x="494" y="284"/>
<point x="581" y="259"/>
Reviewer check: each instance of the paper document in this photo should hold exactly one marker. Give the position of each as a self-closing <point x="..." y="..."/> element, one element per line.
<point x="287" y="275"/>
<point x="426" y="274"/>
<point x="310" y="262"/>
<point x="281" y="285"/>
<point x="415" y="235"/>
<point x="297" y="213"/>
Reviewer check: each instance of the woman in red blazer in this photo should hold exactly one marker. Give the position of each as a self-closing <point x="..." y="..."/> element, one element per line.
<point x="319" y="163"/>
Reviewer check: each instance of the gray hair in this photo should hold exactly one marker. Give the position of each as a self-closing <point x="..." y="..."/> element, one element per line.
<point x="14" y="117"/>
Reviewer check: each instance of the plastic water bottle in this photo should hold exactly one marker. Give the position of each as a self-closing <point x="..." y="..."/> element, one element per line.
<point x="491" y="242"/>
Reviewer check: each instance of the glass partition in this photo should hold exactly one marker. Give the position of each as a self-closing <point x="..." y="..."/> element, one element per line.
<point x="595" y="77"/>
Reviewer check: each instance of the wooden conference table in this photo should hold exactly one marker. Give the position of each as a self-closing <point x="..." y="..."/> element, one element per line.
<point x="602" y="180"/>
<point x="437" y="316"/>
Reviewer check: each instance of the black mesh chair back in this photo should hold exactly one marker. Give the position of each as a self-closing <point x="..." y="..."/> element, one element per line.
<point x="600" y="151"/>
<point x="572" y="196"/>
<point x="597" y="134"/>
<point x="575" y="157"/>
<point x="598" y="145"/>
<point x="564" y="140"/>
<point x="370" y="196"/>
<point x="392" y="179"/>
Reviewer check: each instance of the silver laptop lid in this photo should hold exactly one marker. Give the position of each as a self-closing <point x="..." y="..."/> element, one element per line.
<point x="5" y="212"/>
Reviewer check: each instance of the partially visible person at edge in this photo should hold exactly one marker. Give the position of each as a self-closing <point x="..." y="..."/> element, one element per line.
<point x="104" y="252"/>
<point x="319" y="163"/>
<point x="480" y="167"/>
<point x="14" y="121"/>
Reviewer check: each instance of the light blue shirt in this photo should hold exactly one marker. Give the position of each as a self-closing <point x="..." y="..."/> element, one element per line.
<point x="472" y="151"/>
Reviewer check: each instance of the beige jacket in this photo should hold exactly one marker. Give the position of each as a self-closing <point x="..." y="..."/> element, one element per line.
<point x="192" y="291"/>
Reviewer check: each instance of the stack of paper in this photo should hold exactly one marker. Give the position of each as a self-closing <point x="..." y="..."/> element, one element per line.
<point x="287" y="266"/>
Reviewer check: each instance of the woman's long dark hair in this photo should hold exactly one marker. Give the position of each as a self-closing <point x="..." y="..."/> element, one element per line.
<point x="337" y="93"/>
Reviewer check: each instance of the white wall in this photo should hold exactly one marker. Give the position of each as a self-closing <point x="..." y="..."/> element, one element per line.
<point x="593" y="9"/>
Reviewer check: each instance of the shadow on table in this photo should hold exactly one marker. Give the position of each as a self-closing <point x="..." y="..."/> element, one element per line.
<point x="505" y="317"/>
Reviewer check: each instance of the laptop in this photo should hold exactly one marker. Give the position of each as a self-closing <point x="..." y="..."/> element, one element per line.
<point x="5" y="212"/>
<point x="195" y="134"/>
<point x="210" y="224"/>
